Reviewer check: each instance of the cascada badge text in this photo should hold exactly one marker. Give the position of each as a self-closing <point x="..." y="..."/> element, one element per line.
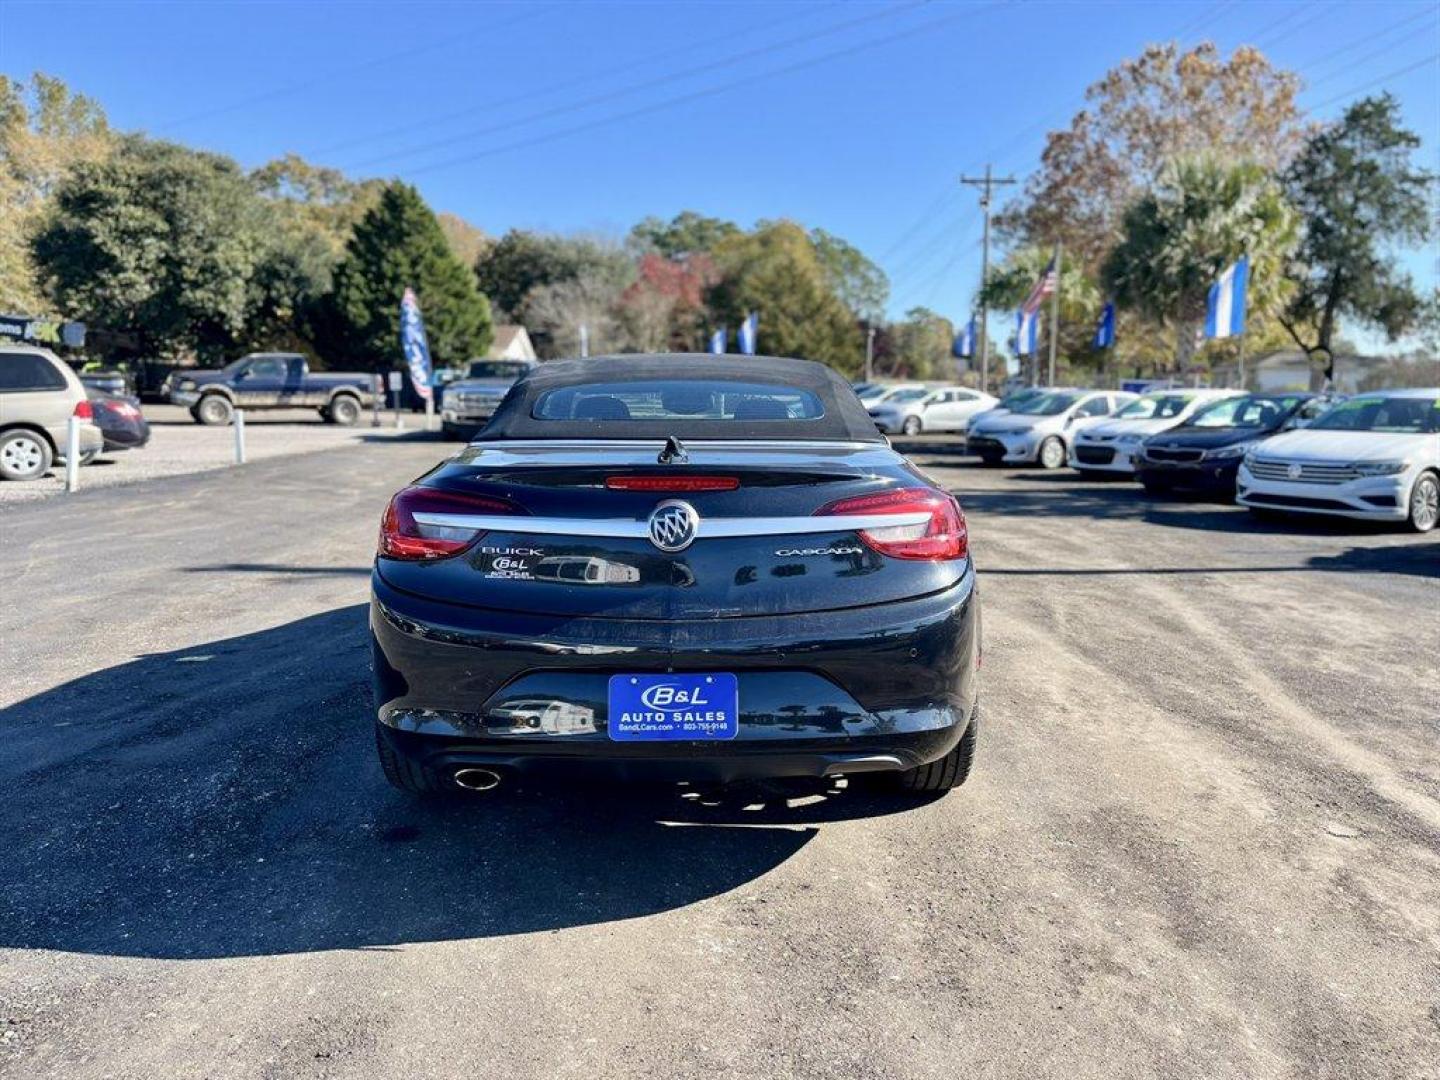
<point x="673" y="525"/>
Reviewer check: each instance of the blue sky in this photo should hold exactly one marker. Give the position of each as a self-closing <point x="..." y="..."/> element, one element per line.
<point x="857" y="117"/>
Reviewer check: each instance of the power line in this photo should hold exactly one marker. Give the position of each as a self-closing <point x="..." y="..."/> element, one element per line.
<point x="938" y="242"/>
<point x="1298" y="10"/>
<point x="696" y="95"/>
<point x="1261" y="42"/>
<point x="550" y="90"/>
<point x="329" y="77"/>
<point x="920" y="222"/>
<point x="1375" y="81"/>
<point x="1382" y="51"/>
<point x="611" y="95"/>
<point x="1333" y="53"/>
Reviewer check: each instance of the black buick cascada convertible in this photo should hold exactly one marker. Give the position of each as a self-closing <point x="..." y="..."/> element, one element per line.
<point x="675" y="567"/>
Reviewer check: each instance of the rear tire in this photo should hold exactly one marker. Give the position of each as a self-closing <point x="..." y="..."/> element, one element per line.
<point x="24" y="455"/>
<point x="1425" y="503"/>
<point x="344" y="410"/>
<point x="403" y="774"/>
<point x="947" y="772"/>
<point x="213" y="410"/>
<point x="911" y="426"/>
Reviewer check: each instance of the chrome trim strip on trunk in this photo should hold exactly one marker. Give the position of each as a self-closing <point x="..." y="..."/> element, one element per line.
<point x="709" y="444"/>
<point x="709" y="528"/>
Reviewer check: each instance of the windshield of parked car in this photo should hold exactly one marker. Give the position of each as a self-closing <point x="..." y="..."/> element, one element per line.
<point x="1394" y="415"/>
<point x="678" y="399"/>
<point x="1019" y="397"/>
<point x="1247" y="412"/>
<point x="907" y="395"/>
<point x="1154" y="407"/>
<point x="497" y="369"/>
<point x="1046" y="405"/>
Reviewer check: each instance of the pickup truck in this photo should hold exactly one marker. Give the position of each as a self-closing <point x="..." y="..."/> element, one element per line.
<point x="469" y="403"/>
<point x="271" y="381"/>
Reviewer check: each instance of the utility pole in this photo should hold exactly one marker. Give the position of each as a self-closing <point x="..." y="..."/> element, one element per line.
<point x="869" y="353"/>
<point x="1054" y="318"/>
<point x="987" y="185"/>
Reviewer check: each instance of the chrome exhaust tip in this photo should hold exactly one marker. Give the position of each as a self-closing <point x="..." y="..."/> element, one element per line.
<point x="477" y="779"/>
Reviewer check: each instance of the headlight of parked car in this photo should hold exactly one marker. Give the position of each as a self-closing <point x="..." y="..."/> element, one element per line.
<point x="1227" y="453"/>
<point x="1380" y="468"/>
<point x="1128" y="440"/>
<point x="186" y="384"/>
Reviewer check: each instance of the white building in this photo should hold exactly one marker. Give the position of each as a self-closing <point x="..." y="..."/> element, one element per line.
<point x="511" y="343"/>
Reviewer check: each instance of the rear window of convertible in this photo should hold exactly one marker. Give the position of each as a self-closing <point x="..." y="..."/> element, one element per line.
<point x="678" y="399"/>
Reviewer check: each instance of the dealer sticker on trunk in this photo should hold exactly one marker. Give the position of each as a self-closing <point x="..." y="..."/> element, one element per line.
<point x="653" y="708"/>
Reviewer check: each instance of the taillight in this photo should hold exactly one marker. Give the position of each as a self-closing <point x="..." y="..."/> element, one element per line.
<point x="404" y="537"/>
<point x="941" y="535"/>
<point x="672" y="483"/>
<point x="84" y="411"/>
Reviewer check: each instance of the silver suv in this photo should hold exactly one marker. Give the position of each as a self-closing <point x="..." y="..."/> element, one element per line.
<point x="38" y="395"/>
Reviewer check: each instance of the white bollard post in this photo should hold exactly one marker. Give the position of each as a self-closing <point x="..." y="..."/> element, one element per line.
<point x="430" y="411"/>
<point x="239" y="436"/>
<point x="72" y="453"/>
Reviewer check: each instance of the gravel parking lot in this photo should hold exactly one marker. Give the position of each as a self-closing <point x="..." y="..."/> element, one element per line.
<point x="1202" y="840"/>
<point x="179" y="446"/>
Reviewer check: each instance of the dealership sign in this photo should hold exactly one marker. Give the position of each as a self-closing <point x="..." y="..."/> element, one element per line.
<point x="42" y="331"/>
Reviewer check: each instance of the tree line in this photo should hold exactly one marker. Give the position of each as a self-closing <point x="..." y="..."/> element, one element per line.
<point x="1180" y="162"/>
<point x="171" y="252"/>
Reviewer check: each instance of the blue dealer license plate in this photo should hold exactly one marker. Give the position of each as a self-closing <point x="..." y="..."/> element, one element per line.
<point x="657" y="708"/>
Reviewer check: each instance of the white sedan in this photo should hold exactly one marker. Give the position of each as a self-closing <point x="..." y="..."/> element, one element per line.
<point x="1039" y="430"/>
<point x="1113" y="446"/>
<point x="1375" y="457"/>
<point x="912" y="411"/>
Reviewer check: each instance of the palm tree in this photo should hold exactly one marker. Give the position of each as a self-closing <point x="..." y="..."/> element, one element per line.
<point x="1202" y="216"/>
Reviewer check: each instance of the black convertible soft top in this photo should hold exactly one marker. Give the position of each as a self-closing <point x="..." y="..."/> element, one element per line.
<point x="843" y="417"/>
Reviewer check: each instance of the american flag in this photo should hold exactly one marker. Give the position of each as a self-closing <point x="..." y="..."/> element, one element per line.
<point x="1043" y="288"/>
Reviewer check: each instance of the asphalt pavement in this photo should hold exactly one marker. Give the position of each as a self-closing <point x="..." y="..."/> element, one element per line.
<point x="1202" y="838"/>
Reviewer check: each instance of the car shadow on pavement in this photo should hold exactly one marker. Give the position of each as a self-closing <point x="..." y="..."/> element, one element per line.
<point x="224" y="800"/>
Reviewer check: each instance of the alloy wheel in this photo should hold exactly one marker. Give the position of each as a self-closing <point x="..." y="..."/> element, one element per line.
<point x="1425" y="504"/>
<point x="1052" y="453"/>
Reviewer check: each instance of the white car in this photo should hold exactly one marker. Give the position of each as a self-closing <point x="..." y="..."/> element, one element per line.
<point x="1375" y="457"/>
<point x="1041" y="429"/>
<point x="1112" y="447"/>
<point x="1011" y="401"/>
<point x="875" y="393"/>
<point x="912" y="411"/>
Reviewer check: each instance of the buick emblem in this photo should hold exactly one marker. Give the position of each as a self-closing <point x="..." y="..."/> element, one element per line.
<point x="673" y="525"/>
<point x="1293" y="472"/>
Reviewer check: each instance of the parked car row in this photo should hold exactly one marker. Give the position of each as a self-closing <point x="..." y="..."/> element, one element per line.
<point x="1372" y="457"/>
<point x="39" y="393"/>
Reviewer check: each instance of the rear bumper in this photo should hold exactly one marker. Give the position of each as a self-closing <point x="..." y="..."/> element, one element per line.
<point x="877" y="688"/>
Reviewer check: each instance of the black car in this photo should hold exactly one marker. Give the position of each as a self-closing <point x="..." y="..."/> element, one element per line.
<point x="675" y="567"/>
<point x="1204" y="452"/>
<point x="119" y="419"/>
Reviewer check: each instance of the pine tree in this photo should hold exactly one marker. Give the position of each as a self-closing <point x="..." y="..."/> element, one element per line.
<point x="399" y="245"/>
